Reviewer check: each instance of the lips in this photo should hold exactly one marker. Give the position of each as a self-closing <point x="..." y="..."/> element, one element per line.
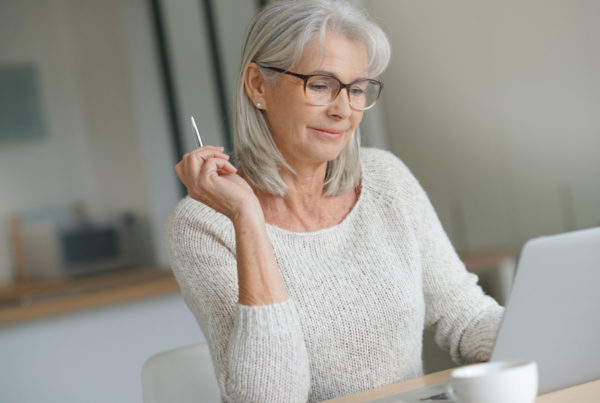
<point x="331" y="133"/>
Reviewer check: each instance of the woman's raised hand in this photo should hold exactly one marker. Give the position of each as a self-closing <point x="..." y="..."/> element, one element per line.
<point x="211" y="179"/>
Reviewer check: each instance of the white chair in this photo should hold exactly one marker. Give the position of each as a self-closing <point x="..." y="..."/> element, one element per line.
<point x="181" y="375"/>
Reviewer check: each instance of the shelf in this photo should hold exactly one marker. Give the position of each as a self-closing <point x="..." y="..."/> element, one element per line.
<point x="33" y="300"/>
<point x="478" y="262"/>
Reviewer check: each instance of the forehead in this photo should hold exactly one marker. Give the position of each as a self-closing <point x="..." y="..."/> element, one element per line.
<point x="346" y="58"/>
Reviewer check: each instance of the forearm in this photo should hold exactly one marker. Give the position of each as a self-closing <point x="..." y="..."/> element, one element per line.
<point x="465" y="318"/>
<point x="259" y="279"/>
<point x="267" y="341"/>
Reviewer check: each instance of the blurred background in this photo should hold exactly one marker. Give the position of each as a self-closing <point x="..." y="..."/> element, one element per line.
<point x="492" y="104"/>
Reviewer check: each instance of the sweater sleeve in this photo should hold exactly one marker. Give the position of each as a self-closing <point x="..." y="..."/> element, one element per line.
<point x="466" y="320"/>
<point x="258" y="352"/>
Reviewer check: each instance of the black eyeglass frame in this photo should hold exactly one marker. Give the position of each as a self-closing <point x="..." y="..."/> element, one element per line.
<point x="348" y="86"/>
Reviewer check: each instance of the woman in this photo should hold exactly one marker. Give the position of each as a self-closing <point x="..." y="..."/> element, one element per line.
<point x="313" y="268"/>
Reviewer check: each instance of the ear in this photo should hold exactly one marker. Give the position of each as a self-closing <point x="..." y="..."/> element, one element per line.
<point x="255" y="86"/>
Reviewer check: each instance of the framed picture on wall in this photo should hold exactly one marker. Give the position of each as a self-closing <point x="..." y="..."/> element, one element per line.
<point x="21" y="112"/>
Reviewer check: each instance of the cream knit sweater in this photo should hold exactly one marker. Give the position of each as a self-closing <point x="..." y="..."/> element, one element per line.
<point x="360" y="295"/>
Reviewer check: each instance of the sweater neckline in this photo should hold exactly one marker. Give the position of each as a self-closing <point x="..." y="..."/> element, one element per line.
<point x="334" y="228"/>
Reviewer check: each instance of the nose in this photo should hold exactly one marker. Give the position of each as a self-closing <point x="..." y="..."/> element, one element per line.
<point x="340" y="106"/>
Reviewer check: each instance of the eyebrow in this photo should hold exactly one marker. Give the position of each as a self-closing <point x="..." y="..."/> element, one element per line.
<point x="329" y="73"/>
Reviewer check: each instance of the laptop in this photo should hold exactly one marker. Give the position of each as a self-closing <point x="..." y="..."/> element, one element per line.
<point x="552" y="315"/>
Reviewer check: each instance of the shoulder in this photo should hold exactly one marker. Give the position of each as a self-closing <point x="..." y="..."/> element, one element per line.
<point x="373" y="155"/>
<point x="384" y="173"/>
<point x="191" y="222"/>
<point x="192" y="212"/>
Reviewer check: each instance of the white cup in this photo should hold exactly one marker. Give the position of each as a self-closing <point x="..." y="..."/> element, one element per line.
<point x="495" y="382"/>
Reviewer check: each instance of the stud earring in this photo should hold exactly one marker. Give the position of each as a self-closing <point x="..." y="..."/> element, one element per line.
<point x="258" y="105"/>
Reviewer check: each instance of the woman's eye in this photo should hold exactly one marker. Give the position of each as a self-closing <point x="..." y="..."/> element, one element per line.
<point x="356" y="92"/>
<point x="318" y="86"/>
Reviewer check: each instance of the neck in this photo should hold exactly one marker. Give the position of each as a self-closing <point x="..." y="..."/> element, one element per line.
<point x="304" y="208"/>
<point x="303" y="196"/>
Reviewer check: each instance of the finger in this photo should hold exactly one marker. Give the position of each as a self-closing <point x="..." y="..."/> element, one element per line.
<point x="215" y="148"/>
<point x="205" y="154"/>
<point x="206" y="150"/>
<point x="215" y="166"/>
<point x="221" y="155"/>
<point x="178" y="168"/>
<point x="228" y="168"/>
<point x="191" y="167"/>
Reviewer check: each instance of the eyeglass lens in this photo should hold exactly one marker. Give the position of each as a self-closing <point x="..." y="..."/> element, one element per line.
<point x="322" y="90"/>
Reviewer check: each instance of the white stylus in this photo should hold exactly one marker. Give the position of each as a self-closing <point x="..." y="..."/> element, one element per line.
<point x="198" y="139"/>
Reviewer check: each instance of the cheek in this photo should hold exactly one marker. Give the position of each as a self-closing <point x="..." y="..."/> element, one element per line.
<point x="287" y="111"/>
<point x="356" y="118"/>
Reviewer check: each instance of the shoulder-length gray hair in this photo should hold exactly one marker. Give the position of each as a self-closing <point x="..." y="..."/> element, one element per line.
<point x="276" y="37"/>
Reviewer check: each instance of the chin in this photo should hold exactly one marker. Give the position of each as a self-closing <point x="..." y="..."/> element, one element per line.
<point x="328" y="152"/>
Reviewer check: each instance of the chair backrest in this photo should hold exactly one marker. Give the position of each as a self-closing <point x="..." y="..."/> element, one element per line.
<point x="181" y="375"/>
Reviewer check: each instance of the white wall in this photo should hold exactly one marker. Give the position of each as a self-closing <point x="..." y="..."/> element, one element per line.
<point x="107" y="143"/>
<point x="56" y="169"/>
<point x="494" y="106"/>
<point x="91" y="356"/>
<point x="104" y="85"/>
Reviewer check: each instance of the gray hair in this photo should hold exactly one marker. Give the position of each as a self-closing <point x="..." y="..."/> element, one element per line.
<point x="276" y="37"/>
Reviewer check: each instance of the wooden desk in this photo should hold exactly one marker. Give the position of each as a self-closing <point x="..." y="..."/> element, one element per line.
<point x="33" y="300"/>
<point x="585" y="393"/>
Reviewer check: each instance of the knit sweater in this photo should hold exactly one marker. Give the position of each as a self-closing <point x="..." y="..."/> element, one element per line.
<point x="360" y="295"/>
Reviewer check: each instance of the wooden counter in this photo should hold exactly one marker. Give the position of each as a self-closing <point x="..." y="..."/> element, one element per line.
<point x="38" y="299"/>
<point x="32" y="300"/>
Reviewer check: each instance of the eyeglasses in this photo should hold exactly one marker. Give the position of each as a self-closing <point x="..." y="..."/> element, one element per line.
<point x="323" y="89"/>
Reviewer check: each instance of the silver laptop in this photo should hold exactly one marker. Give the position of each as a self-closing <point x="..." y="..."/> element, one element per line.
<point x="552" y="315"/>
